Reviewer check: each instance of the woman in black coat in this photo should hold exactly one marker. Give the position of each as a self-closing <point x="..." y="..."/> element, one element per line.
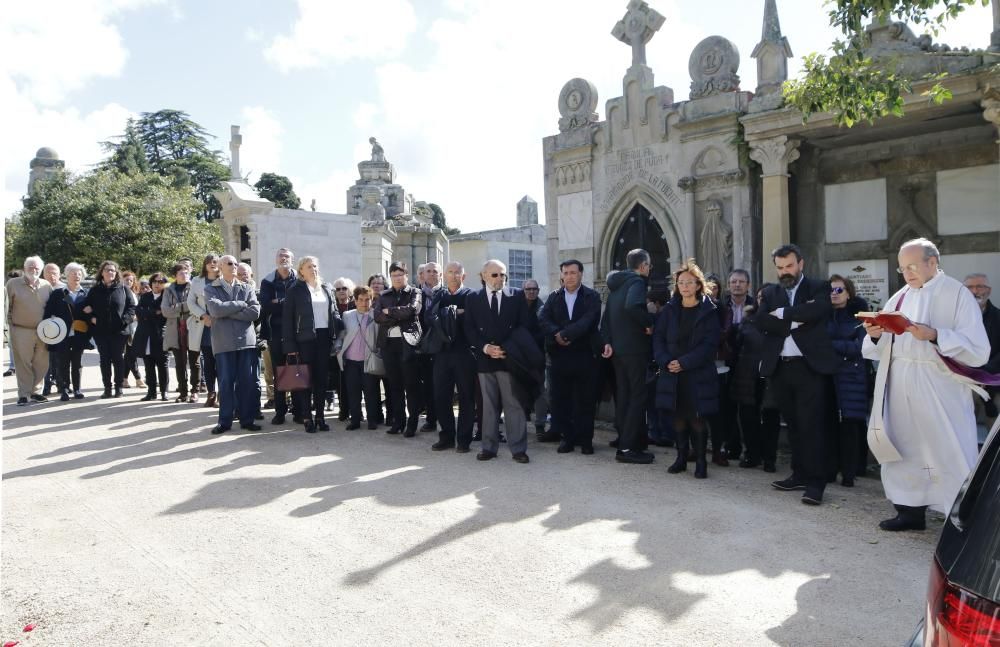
<point x="310" y="323"/>
<point x="111" y="311"/>
<point x="685" y="341"/>
<point x="67" y="304"/>
<point x="850" y="382"/>
<point x="148" y="339"/>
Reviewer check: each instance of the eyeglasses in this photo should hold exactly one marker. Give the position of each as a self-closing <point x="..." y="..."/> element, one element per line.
<point x="230" y="263"/>
<point x="912" y="267"/>
<point x="837" y="291"/>
<point x="496" y="275"/>
<point x="161" y="281"/>
<point x="340" y="289"/>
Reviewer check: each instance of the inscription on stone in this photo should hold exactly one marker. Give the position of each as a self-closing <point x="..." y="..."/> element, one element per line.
<point x="870" y="277"/>
<point x="633" y="160"/>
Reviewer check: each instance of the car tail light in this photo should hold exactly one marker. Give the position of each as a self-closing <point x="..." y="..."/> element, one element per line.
<point x="957" y="618"/>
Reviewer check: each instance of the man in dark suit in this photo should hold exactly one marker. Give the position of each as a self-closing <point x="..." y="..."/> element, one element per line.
<point x="731" y="308"/>
<point x="491" y="316"/>
<point x="569" y="323"/>
<point x="797" y="356"/>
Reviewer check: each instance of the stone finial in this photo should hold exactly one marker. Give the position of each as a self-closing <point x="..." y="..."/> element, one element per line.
<point x="637" y="27"/>
<point x="774" y="154"/>
<point x="713" y="66"/>
<point x="527" y="212"/>
<point x="577" y="105"/>
<point x="235" y="141"/>
<point x="771" y="53"/>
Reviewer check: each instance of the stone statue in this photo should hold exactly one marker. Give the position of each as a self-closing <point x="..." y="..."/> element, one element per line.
<point x="378" y="153"/>
<point x="312" y="205"/>
<point x="715" y="253"/>
<point x="372" y="211"/>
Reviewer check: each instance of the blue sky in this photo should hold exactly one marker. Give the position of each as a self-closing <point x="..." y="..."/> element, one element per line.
<point x="459" y="92"/>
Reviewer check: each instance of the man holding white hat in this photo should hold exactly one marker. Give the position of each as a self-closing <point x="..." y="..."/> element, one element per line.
<point x="26" y="299"/>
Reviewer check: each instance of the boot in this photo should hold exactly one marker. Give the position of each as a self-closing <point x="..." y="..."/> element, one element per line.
<point x="907" y="518"/>
<point x="139" y="383"/>
<point x="680" y="465"/>
<point x="150" y="395"/>
<point x="163" y="396"/>
<point x="700" y="442"/>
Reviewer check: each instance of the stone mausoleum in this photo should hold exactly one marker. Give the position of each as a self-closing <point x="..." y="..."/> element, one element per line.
<point x="727" y="175"/>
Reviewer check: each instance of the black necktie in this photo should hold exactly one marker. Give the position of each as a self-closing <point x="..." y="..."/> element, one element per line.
<point x="495" y="303"/>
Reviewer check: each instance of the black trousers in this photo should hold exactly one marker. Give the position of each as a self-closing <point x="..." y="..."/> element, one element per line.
<point x="455" y="370"/>
<point x="111" y="349"/>
<point x="573" y="396"/>
<point x="131" y="360"/>
<point x="315" y="353"/>
<point x="842" y="447"/>
<point x="630" y="400"/>
<point x="211" y="372"/>
<point x="801" y="394"/>
<point x="156" y="372"/>
<point x="358" y="383"/>
<point x="404" y="387"/>
<point x="428" y="402"/>
<point x="183" y="359"/>
<point x="67" y="364"/>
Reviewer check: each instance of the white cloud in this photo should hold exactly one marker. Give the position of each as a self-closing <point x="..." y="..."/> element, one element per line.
<point x="364" y="115"/>
<point x="262" y="133"/>
<point x="335" y="32"/>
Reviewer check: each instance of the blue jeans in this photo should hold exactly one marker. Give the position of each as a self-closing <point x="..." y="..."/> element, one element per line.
<point x="237" y="386"/>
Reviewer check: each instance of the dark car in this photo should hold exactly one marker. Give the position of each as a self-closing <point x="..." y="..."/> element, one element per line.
<point x="963" y="595"/>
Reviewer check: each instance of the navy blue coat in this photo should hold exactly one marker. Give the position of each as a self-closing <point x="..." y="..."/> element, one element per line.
<point x="851" y="379"/>
<point x="698" y="360"/>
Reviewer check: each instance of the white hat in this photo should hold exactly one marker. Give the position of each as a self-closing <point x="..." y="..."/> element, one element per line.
<point x="51" y="330"/>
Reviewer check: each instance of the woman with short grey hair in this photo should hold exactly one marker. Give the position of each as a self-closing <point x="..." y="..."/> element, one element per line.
<point x="66" y="303"/>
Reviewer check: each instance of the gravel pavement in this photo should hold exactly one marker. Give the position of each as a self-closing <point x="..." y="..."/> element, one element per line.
<point x="127" y="523"/>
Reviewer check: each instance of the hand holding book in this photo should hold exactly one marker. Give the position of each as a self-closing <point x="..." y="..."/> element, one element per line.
<point x="892" y="321"/>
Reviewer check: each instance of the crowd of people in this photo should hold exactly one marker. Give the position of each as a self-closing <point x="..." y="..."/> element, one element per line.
<point x="710" y="371"/>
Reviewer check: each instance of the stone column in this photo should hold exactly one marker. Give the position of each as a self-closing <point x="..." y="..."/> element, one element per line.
<point x="995" y="37"/>
<point x="774" y="155"/>
<point x="991" y="102"/>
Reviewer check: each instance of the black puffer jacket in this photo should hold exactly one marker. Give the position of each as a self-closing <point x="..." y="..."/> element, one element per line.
<point x="112" y="309"/>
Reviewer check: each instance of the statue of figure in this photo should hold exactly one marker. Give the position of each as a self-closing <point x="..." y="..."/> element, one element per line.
<point x="312" y="205"/>
<point x="378" y="153"/>
<point x="715" y="253"/>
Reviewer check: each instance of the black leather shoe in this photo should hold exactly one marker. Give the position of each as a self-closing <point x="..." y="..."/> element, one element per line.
<point x="485" y="456"/>
<point x="548" y="437"/>
<point x="106" y="394"/>
<point x="812" y="496"/>
<point x="343" y="416"/>
<point x="310" y="427"/>
<point x="429" y="426"/>
<point x="440" y="446"/>
<point x="393" y="430"/>
<point x="461" y="449"/>
<point x="78" y="395"/>
<point x="299" y="420"/>
<point x="39" y="398"/>
<point x="353" y="426"/>
<point x="477" y="436"/>
<point x="268" y="405"/>
<point x="258" y="416"/>
<point x="322" y="426"/>
<point x="846" y="482"/>
<point x="163" y="397"/>
<point x="64" y="396"/>
<point x="521" y="457"/>
<point x="278" y="420"/>
<point x="746" y="462"/>
<point x="146" y="398"/>
<point x="565" y="447"/>
<point x="770" y="468"/>
<point x="634" y="456"/>
<point x="899" y="523"/>
<point x="250" y="427"/>
<point x="219" y="429"/>
<point x="23" y="402"/>
<point x="587" y="450"/>
<point x="119" y="393"/>
<point x="410" y="432"/>
<point x="789" y="484"/>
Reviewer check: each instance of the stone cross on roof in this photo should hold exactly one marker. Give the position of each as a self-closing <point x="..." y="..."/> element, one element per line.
<point x="637" y="28"/>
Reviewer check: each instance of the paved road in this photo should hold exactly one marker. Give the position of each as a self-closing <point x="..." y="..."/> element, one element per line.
<point x="126" y="523"/>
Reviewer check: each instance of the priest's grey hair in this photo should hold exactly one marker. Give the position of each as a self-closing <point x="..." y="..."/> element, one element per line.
<point x="930" y="249"/>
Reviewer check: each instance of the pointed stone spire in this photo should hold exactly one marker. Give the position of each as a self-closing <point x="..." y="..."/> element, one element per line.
<point x="772" y="53"/>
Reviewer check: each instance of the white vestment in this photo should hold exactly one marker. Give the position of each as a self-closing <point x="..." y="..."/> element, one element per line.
<point x="928" y="414"/>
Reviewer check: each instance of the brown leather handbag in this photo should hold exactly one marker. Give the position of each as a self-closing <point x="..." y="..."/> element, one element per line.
<point x="292" y="376"/>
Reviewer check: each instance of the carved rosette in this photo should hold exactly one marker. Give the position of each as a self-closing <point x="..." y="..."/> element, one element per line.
<point x="774" y="154"/>
<point x="713" y="66"/>
<point x="577" y="104"/>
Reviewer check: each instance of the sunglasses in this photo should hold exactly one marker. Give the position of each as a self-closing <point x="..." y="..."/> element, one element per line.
<point x="230" y="263"/>
<point x="161" y="281"/>
<point x="496" y="275"/>
<point x="531" y="289"/>
<point x="837" y="291"/>
<point x="341" y="289"/>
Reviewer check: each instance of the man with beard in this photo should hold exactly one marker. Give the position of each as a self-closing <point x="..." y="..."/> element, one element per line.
<point x="273" y="288"/>
<point x="797" y="356"/>
<point x="979" y="285"/>
<point x="26" y="299"/>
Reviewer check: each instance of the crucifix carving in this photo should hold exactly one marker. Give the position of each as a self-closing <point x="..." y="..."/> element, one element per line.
<point x="637" y="28"/>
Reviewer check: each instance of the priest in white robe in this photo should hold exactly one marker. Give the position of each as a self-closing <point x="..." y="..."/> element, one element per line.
<point x="928" y="416"/>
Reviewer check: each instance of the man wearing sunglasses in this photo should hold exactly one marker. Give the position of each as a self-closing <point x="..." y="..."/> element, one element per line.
<point x="923" y="405"/>
<point x="492" y="317"/>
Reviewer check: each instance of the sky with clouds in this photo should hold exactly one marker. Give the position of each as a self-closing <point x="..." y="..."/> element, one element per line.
<point x="460" y="93"/>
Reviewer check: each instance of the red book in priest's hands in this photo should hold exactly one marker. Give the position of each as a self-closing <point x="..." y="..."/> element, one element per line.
<point x="892" y="321"/>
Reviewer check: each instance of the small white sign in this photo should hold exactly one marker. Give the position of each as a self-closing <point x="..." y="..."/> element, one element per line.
<point x="870" y="278"/>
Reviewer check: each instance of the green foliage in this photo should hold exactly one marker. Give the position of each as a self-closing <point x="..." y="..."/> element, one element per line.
<point x="174" y="144"/>
<point x="851" y="85"/>
<point x="138" y="219"/>
<point x="278" y="189"/>
<point x="438" y="218"/>
<point x="127" y="154"/>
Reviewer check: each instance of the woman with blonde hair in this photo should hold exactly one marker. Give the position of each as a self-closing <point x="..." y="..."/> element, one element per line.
<point x="685" y="340"/>
<point x="200" y="325"/>
<point x="310" y="323"/>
